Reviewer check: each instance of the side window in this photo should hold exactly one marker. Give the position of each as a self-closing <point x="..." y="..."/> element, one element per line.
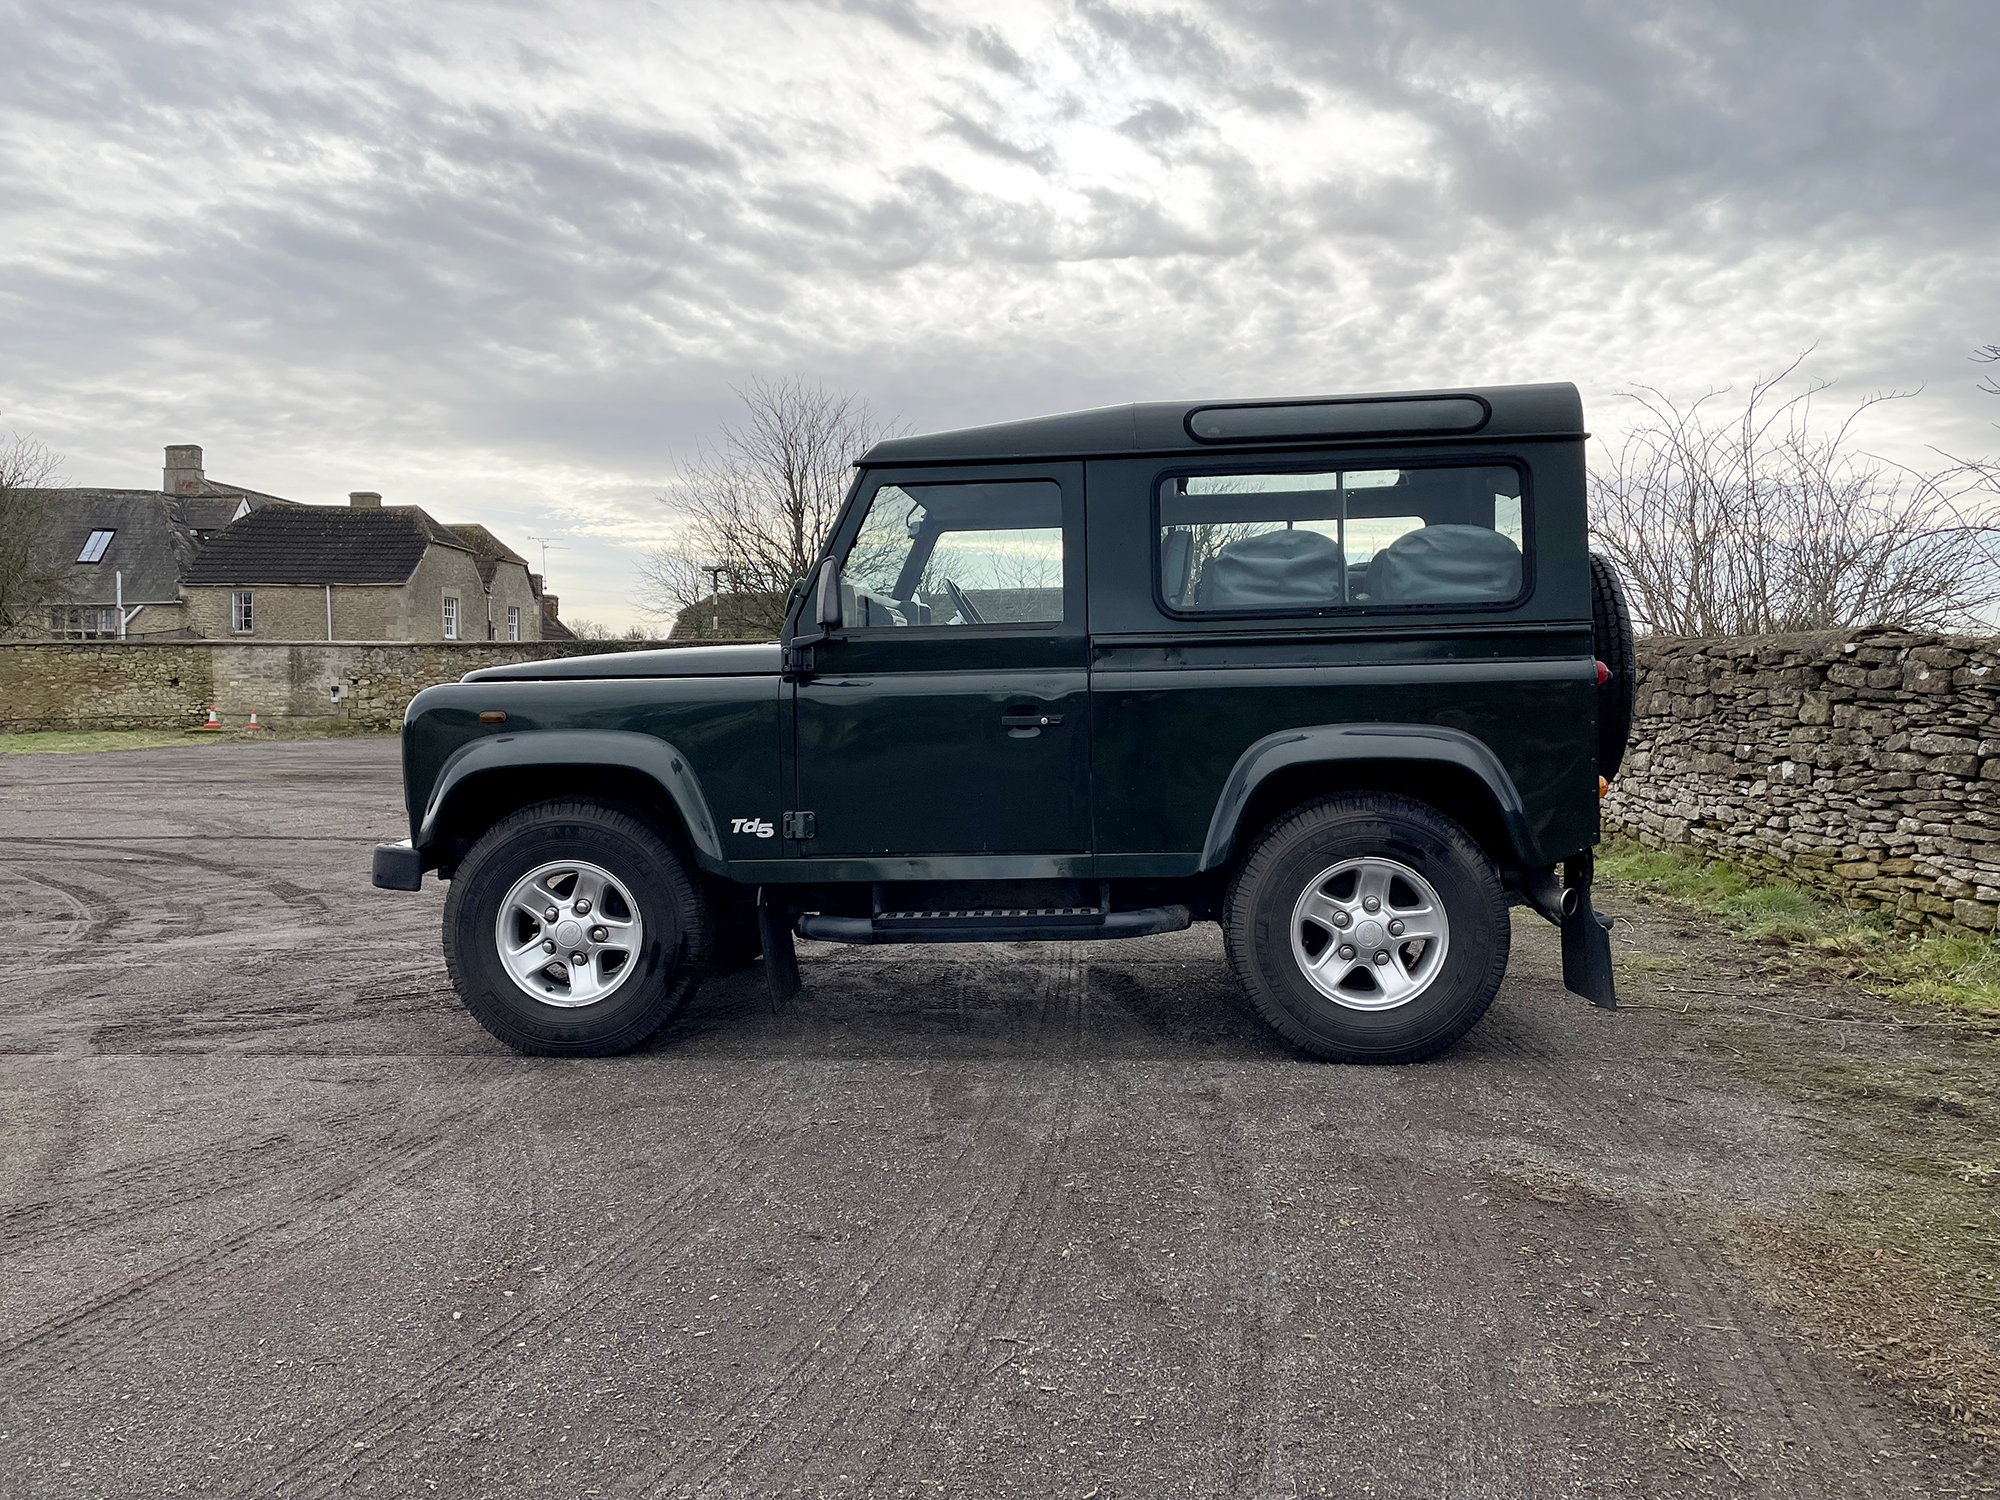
<point x="957" y="554"/>
<point x="243" y="611"/>
<point x="1301" y="543"/>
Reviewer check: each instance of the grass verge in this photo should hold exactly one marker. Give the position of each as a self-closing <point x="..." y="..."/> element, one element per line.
<point x="73" y="741"/>
<point x="81" y="741"/>
<point x="1939" y="969"/>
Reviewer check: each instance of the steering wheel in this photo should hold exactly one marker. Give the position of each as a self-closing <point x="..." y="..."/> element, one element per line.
<point x="962" y="604"/>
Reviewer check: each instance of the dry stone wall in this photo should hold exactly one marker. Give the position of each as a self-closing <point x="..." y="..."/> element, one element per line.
<point x="1864" y="765"/>
<point x="164" y="685"/>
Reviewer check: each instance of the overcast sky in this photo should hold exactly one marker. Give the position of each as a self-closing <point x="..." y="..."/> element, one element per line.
<point x="507" y="260"/>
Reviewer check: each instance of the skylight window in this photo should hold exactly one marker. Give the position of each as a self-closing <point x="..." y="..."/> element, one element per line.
<point x="93" y="550"/>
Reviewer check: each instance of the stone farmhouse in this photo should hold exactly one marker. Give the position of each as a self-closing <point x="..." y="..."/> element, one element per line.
<point x="121" y="554"/>
<point x="200" y="559"/>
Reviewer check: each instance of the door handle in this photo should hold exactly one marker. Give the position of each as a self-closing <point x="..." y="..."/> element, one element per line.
<point x="1030" y="721"/>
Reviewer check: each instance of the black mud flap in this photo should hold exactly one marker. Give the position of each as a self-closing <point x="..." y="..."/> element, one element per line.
<point x="781" y="959"/>
<point x="1586" y="939"/>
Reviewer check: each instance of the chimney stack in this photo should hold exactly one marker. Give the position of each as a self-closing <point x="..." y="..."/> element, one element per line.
<point x="182" y="474"/>
<point x="364" y="499"/>
<point x="549" y="603"/>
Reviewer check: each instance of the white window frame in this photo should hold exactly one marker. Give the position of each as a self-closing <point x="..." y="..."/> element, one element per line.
<point x="513" y="622"/>
<point x="94" y="546"/>
<point x="243" y="612"/>
<point x="451" y="617"/>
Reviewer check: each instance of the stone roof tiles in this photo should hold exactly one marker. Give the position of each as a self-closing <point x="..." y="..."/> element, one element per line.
<point x="314" y="544"/>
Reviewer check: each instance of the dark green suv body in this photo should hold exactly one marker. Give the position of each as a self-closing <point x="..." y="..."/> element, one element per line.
<point x="1340" y="674"/>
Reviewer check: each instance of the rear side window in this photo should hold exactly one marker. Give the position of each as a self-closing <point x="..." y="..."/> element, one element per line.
<point x="1369" y="538"/>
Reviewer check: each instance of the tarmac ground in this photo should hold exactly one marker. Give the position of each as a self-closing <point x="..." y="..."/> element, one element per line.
<point x="278" y="1218"/>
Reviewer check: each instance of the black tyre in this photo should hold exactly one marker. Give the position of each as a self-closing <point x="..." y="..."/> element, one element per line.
<point x="1611" y="636"/>
<point x="1367" y="927"/>
<point x="575" y="929"/>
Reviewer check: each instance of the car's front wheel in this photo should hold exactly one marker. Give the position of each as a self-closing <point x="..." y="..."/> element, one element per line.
<point x="1368" y="927"/>
<point x="575" y="929"/>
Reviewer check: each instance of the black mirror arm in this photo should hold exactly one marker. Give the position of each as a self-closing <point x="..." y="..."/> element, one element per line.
<point x="798" y="658"/>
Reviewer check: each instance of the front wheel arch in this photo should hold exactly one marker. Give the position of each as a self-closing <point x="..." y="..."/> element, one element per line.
<point x="475" y="804"/>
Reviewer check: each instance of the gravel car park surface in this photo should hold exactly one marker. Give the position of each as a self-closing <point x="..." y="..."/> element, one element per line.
<point x="278" y="1218"/>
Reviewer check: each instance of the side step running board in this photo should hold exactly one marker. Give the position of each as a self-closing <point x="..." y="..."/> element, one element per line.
<point x="1048" y="924"/>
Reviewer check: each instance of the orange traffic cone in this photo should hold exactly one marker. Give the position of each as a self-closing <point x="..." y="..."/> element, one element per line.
<point x="214" y="722"/>
<point x="253" y="724"/>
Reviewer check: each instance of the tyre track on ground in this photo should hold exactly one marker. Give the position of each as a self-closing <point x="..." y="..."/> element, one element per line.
<point x="814" y="1370"/>
<point x="78" y="921"/>
<point x="1756" y="1376"/>
<point x="77" y="1338"/>
<point x="1487" y="1448"/>
<point x="1017" y="1261"/>
<point x="93" y="1200"/>
<point x="731" y="1178"/>
<point x="1767" y="1372"/>
<point x="1251" y="1262"/>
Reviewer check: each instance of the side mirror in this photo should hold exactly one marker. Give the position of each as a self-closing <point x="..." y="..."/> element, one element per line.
<point x="828" y="616"/>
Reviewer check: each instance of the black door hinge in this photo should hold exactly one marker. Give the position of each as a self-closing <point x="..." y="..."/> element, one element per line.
<point x="800" y="825"/>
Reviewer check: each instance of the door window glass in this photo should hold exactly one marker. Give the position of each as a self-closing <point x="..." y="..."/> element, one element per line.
<point x="957" y="554"/>
<point x="1292" y="543"/>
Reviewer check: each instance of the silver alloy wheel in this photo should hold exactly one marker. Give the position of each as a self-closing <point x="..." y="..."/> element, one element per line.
<point x="569" y="933"/>
<point x="1370" y="933"/>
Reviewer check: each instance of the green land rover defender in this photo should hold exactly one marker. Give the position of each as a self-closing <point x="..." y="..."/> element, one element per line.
<point x="1340" y="674"/>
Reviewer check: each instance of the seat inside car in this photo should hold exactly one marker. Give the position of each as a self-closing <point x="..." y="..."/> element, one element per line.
<point x="1294" y="569"/>
<point x="1445" y="564"/>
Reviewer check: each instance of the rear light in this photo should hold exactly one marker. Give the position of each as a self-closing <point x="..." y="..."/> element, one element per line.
<point x="1603" y="674"/>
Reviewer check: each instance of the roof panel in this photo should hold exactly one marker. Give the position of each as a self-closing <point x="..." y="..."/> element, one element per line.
<point x="1553" y="409"/>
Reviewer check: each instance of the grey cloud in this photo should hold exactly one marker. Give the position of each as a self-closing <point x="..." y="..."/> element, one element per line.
<point x="977" y="136"/>
<point x="346" y="230"/>
<point x="992" y="49"/>
<point x="1811" y="108"/>
<point x="1157" y="120"/>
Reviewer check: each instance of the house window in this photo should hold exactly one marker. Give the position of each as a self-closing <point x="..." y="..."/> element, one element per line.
<point x="450" y="618"/>
<point x="83" y="624"/>
<point x="242" y="613"/>
<point x="513" y="622"/>
<point x="93" y="549"/>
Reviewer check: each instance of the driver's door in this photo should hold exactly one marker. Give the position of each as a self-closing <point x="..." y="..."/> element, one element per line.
<point x="948" y="713"/>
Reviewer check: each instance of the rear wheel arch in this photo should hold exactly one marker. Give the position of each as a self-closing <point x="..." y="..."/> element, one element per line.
<point x="1451" y="790"/>
<point x="1446" y="769"/>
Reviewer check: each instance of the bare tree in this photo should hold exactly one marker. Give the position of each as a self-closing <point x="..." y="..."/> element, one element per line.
<point x="27" y="578"/>
<point x="755" y="509"/>
<point x="1763" y="520"/>
<point x="1989" y="354"/>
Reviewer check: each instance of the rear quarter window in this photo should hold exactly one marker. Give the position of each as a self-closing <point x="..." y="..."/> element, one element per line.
<point x="1341" y="539"/>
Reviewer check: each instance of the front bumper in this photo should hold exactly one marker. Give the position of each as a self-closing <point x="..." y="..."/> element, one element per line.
<point x="399" y="867"/>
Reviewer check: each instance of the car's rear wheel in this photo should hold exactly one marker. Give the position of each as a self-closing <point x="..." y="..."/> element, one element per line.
<point x="575" y="928"/>
<point x="1368" y="927"/>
